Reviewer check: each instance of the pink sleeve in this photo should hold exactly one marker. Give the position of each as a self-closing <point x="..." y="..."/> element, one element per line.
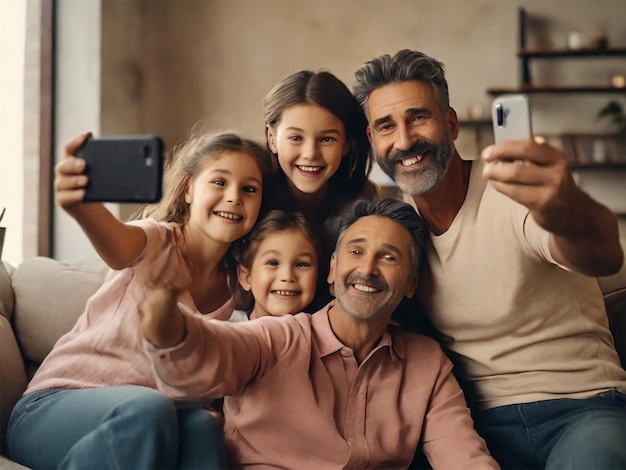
<point x="450" y="440"/>
<point x="218" y="358"/>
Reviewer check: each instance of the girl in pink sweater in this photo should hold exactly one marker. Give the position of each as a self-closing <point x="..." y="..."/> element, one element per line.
<point x="93" y="402"/>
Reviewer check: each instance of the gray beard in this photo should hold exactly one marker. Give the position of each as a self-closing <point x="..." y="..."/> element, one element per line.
<point x="422" y="180"/>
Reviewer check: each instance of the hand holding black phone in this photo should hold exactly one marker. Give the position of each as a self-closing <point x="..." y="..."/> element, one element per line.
<point x="125" y="168"/>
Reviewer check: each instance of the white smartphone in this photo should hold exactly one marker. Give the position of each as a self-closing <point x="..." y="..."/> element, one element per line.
<point x="511" y="118"/>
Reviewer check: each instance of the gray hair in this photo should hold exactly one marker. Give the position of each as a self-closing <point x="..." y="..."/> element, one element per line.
<point x="397" y="211"/>
<point x="406" y="65"/>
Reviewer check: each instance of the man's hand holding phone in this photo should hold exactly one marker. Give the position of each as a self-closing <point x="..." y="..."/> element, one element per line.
<point x="524" y="168"/>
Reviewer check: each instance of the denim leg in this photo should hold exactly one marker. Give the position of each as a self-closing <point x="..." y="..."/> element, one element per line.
<point x="506" y="434"/>
<point x="110" y="427"/>
<point x="201" y="438"/>
<point x="595" y="437"/>
<point x="584" y="433"/>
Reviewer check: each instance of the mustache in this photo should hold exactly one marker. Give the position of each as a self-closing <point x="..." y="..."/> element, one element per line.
<point x="373" y="281"/>
<point x="420" y="147"/>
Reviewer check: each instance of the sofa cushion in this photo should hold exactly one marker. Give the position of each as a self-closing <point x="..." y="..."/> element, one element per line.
<point x="12" y="371"/>
<point x="6" y="291"/>
<point x="49" y="297"/>
<point x="12" y="376"/>
<point x="614" y="290"/>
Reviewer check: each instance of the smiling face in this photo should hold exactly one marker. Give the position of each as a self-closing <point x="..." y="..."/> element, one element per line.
<point x="225" y="197"/>
<point x="283" y="274"/>
<point x="412" y="139"/>
<point x="371" y="268"/>
<point x="310" y="142"/>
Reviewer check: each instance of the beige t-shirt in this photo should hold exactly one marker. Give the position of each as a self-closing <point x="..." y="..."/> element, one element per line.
<point x="518" y="327"/>
<point x="105" y="347"/>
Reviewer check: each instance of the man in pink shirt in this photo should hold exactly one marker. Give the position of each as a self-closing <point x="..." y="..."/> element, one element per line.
<point x="337" y="389"/>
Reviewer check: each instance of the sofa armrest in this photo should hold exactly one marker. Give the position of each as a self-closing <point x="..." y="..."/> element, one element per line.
<point x="12" y="370"/>
<point x="49" y="297"/>
<point x="614" y="290"/>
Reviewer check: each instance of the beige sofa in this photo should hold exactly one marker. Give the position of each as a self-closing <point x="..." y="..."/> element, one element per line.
<point x="41" y="299"/>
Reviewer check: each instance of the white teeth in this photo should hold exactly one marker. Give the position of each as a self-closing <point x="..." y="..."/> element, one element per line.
<point x="364" y="288"/>
<point x="412" y="160"/>
<point x="228" y="215"/>
<point x="311" y="169"/>
<point x="287" y="293"/>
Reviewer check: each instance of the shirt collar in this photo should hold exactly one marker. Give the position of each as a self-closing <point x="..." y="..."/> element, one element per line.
<point x="329" y="344"/>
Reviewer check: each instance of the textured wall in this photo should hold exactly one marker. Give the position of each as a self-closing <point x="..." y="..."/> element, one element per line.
<point x="167" y="65"/>
<point x="215" y="60"/>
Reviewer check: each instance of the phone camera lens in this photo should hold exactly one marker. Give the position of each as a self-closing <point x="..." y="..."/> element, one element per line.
<point x="500" y="114"/>
<point x="146" y="153"/>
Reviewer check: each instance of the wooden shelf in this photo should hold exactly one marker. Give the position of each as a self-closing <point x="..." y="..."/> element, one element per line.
<point x="561" y="89"/>
<point x="598" y="166"/>
<point x="571" y="53"/>
<point x="473" y="123"/>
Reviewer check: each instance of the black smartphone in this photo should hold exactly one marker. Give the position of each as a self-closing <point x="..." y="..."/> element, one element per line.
<point x="511" y="118"/>
<point x="127" y="168"/>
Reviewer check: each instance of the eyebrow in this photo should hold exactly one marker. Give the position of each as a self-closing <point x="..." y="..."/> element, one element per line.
<point x="228" y="172"/>
<point x="408" y="112"/>
<point x="324" y="131"/>
<point x="277" y="252"/>
<point x="387" y="246"/>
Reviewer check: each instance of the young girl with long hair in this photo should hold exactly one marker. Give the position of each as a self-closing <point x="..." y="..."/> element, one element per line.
<point x="94" y="401"/>
<point x="317" y="133"/>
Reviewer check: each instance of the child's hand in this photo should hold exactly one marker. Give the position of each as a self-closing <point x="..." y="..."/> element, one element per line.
<point x="162" y="323"/>
<point x="70" y="181"/>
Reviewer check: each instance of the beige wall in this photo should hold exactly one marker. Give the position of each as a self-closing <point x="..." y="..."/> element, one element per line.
<point x="161" y="66"/>
<point x="215" y="60"/>
<point x="12" y="40"/>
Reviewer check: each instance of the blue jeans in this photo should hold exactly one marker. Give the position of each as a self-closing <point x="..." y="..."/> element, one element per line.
<point x="122" y="427"/>
<point x="583" y="434"/>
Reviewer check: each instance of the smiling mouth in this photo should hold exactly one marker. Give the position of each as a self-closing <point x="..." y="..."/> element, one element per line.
<point x="286" y="293"/>
<point x="366" y="289"/>
<point x="412" y="160"/>
<point x="309" y="168"/>
<point x="228" y="215"/>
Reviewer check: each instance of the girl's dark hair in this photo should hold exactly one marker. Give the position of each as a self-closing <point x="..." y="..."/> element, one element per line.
<point x="399" y="212"/>
<point x="244" y="250"/>
<point x="187" y="160"/>
<point x="325" y="90"/>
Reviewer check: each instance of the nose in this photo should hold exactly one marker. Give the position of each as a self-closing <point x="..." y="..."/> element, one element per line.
<point x="309" y="149"/>
<point x="234" y="194"/>
<point x="369" y="265"/>
<point x="404" y="139"/>
<point x="286" y="273"/>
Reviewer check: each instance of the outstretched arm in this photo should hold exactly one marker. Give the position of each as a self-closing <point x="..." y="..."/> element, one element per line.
<point x="117" y="243"/>
<point x="162" y="323"/>
<point x="584" y="235"/>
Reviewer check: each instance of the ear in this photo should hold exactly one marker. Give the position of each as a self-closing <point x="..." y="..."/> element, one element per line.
<point x="368" y="131"/>
<point x="331" y="272"/>
<point x="412" y="286"/>
<point x="188" y="192"/>
<point x="271" y="139"/>
<point x="243" y="276"/>
<point x="453" y="123"/>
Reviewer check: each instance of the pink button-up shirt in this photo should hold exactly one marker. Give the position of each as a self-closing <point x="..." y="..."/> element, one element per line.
<point x="298" y="398"/>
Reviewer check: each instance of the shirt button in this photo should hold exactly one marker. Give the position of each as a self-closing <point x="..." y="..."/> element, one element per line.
<point x="345" y="352"/>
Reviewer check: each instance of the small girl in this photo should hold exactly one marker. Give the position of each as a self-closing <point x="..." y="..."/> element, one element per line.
<point x="276" y="266"/>
<point x="317" y="132"/>
<point x="94" y="400"/>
